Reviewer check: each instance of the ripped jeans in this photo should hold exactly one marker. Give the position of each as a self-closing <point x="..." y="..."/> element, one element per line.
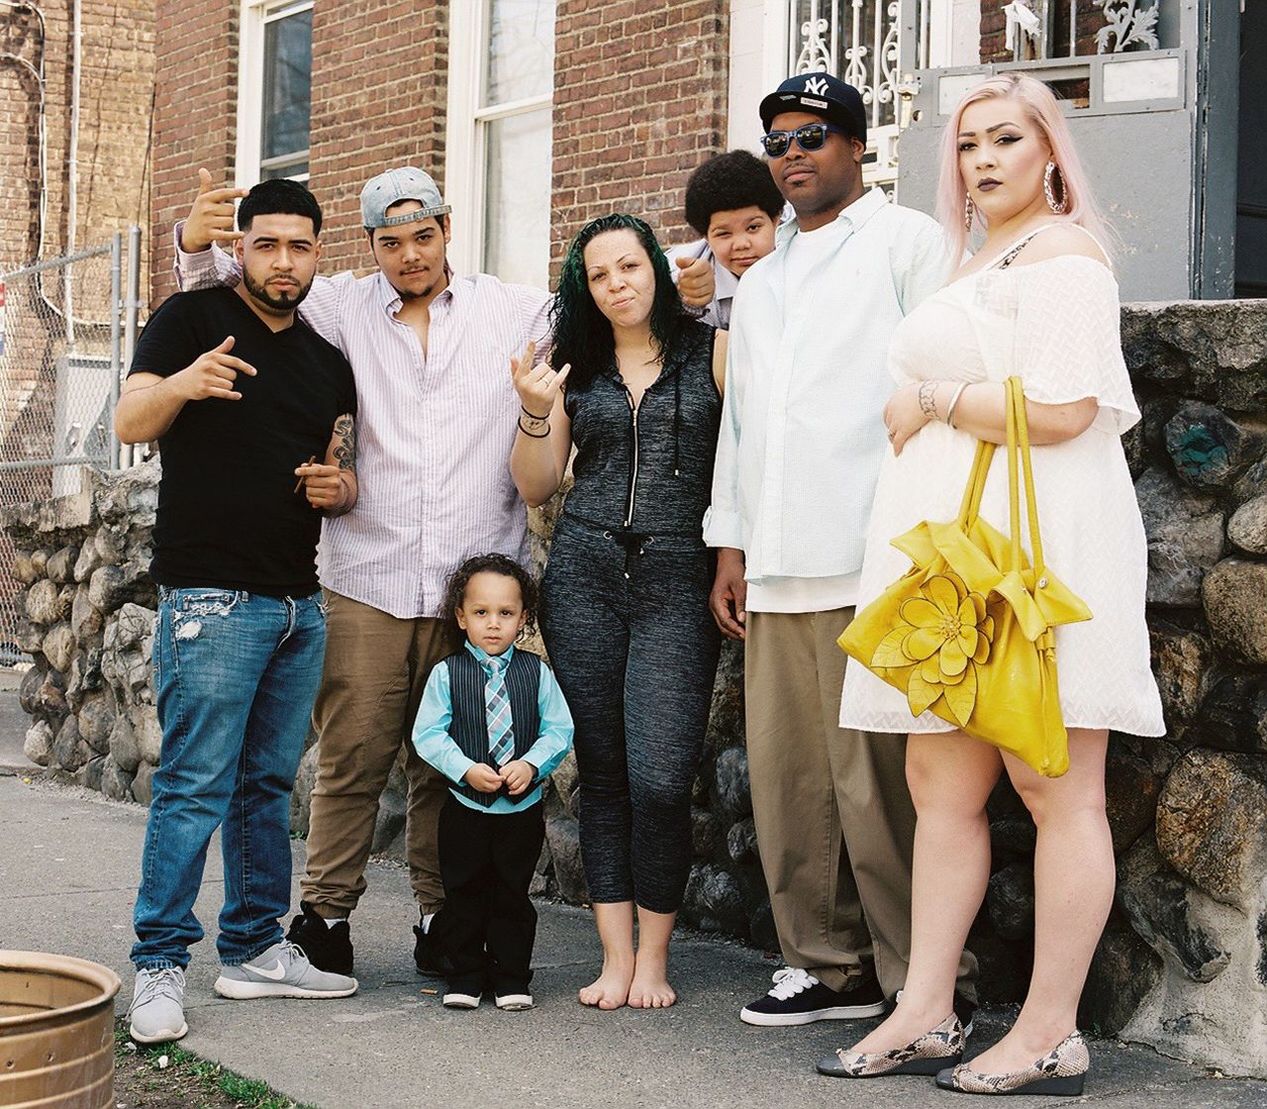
<point x="235" y="674"/>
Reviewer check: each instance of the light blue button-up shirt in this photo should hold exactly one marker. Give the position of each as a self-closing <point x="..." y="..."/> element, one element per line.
<point x="436" y="746"/>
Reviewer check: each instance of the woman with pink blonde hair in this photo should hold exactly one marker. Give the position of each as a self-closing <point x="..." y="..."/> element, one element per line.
<point x="1037" y="300"/>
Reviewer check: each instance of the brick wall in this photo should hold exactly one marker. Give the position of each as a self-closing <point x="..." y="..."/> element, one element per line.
<point x="117" y="52"/>
<point x="379" y="87"/>
<point x="195" y="116"/>
<point x="639" y="101"/>
<point x="378" y="97"/>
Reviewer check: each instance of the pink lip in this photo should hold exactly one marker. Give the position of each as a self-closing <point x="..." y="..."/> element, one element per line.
<point x="622" y="303"/>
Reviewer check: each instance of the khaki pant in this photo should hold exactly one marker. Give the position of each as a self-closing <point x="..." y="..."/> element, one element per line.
<point x="833" y="814"/>
<point x="375" y="669"/>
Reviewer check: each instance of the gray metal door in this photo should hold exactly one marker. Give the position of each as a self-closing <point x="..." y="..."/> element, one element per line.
<point x="1147" y="101"/>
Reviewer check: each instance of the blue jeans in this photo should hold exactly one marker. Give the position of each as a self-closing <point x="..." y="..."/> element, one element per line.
<point x="236" y="674"/>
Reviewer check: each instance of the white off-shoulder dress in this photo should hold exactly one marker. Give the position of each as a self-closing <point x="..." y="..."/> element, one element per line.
<point x="1055" y="323"/>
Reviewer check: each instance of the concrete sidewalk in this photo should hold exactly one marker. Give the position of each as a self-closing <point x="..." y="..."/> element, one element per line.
<point x="68" y="871"/>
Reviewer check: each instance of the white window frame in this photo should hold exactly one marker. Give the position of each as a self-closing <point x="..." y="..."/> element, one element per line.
<point x="254" y="17"/>
<point x="465" y="168"/>
<point x="758" y="65"/>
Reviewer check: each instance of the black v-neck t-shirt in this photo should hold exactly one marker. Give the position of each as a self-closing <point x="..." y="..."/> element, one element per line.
<point x="228" y="514"/>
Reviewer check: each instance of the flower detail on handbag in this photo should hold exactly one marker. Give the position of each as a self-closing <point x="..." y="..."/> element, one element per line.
<point x="944" y="634"/>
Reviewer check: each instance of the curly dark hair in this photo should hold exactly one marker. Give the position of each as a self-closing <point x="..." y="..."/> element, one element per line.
<point x="582" y="334"/>
<point x="455" y="589"/>
<point x="732" y="180"/>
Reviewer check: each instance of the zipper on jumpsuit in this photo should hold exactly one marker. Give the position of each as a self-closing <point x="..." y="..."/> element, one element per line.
<point x="633" y="473"/>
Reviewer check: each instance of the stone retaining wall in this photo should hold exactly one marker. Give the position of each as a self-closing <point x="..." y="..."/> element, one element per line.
<point x="1183" y="964"/>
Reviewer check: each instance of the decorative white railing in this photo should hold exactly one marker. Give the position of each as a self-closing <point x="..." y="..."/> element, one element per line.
<point x="861" y="41"/>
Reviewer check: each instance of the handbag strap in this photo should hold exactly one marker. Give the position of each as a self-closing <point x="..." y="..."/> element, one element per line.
<point x="1027" y="467"/>
<point x="1019" y="467"/>
<point x="970" y="506"/>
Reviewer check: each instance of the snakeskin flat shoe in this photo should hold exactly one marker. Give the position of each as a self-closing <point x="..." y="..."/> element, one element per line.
<point x="927" y="1055"/>
<point x="1063" y="1070"/>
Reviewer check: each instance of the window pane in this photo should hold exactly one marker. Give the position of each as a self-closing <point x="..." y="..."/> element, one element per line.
<point x="296" y="168"/>
<point x="517" y="208"/>
<point x="520" y="50"/>
<point x="287" y="86"/>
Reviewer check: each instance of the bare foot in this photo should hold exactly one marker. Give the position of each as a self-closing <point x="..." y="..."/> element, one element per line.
<point x="650" y="988"/>
<point x="903" y="1026"/>
<point x="610" y="990"/>
<point x="1014" y="1052"/>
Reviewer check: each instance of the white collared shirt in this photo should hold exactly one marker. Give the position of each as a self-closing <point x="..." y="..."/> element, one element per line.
<point x="802" y="433"/>
<point x="434" y="431"/>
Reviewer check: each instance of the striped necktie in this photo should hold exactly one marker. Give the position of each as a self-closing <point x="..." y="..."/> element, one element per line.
<point x="501" y="735"/>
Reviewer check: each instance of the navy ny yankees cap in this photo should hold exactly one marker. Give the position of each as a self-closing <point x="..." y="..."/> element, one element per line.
<point x="821" y="94"/>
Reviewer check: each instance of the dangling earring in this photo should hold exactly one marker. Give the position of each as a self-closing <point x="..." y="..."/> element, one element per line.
<point x="1048" y="178"/>
<point x="969" y="213"/>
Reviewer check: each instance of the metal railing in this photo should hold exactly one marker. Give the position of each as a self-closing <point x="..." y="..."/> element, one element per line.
<point x="66" y="333"/>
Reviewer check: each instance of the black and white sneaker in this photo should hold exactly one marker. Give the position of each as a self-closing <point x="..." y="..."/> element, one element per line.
<point x="328" y="947"/>
<point x="800" y="998"/>
<point x="430" y="960"/>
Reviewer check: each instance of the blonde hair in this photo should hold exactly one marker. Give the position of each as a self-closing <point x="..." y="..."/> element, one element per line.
<point x="1043" y="110"/>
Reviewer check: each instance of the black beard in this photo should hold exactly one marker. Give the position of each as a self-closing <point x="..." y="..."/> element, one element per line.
<point x="406" y="295"/>
<point x="280" y="304"/>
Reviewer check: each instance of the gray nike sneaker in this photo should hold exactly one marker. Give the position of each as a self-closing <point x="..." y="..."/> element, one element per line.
<point x="158" y="1006"/>
<point x="281" y="971"/>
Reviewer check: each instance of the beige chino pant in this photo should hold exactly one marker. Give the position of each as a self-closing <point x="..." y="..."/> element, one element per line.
<point x="376" y="666"/>
<point x="833" y="814"/>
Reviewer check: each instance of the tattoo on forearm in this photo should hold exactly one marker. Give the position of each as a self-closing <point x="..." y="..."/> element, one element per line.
<point x="345" y="452"/>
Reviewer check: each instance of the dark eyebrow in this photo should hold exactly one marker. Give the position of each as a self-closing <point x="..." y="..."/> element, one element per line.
<point x="988" y="130"/>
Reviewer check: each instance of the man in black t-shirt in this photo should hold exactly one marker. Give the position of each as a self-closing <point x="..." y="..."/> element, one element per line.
<point x="243" y="398"/>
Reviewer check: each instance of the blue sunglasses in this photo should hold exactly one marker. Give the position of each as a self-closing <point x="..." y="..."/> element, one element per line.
<point x="810" y="137"/>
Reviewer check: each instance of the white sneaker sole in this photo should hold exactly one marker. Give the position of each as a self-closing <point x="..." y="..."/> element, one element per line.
<point x="515" y="1002"/>
<point x="159" y="1038"/>
<point x="788" y="1020"/>
<point x="249" y="991"/>
<point x="460" y="1001"/>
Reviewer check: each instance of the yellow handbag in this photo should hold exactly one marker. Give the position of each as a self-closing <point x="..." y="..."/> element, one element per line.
<point x="967" y="632"/>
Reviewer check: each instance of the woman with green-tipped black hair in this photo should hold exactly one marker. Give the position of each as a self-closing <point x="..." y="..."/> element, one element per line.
<point x="634" y="383"/>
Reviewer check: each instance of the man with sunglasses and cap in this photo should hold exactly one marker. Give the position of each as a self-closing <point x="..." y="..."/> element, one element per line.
<point x="430" y="352"/>
<point x="798" y="457"/>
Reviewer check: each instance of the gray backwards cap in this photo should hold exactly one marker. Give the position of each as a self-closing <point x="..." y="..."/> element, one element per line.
<point x="402" y="183"/>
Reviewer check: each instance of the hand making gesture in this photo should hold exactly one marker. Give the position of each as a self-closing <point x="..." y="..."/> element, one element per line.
<point x="538" y="386"/>
<point x="210" y="220"/>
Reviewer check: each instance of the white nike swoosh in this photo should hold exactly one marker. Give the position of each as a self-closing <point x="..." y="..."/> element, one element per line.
<point x="276" y="972"/>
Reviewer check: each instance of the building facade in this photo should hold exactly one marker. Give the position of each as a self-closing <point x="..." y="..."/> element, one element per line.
<point x="540" y="114"/>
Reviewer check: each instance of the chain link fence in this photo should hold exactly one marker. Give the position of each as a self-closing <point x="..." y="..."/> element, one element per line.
<point x="66" y="332"/>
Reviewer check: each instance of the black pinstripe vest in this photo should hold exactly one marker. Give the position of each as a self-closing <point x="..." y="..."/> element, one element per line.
<point x="469" y="727"/>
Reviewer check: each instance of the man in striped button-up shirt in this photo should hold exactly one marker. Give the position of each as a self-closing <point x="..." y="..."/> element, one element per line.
<point x="430" y="352"/>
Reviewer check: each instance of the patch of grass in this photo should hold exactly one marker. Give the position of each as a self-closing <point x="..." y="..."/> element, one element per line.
<point x="186" y="1081"/>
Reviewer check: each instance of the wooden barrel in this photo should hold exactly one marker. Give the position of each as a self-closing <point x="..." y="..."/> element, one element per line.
<point x="56" y="1032"/>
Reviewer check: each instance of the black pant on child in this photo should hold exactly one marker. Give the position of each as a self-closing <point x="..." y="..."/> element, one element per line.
<point x="488" y="922"/>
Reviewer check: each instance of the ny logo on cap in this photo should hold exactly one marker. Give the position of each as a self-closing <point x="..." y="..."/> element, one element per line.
<point x="816" y="85"/>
